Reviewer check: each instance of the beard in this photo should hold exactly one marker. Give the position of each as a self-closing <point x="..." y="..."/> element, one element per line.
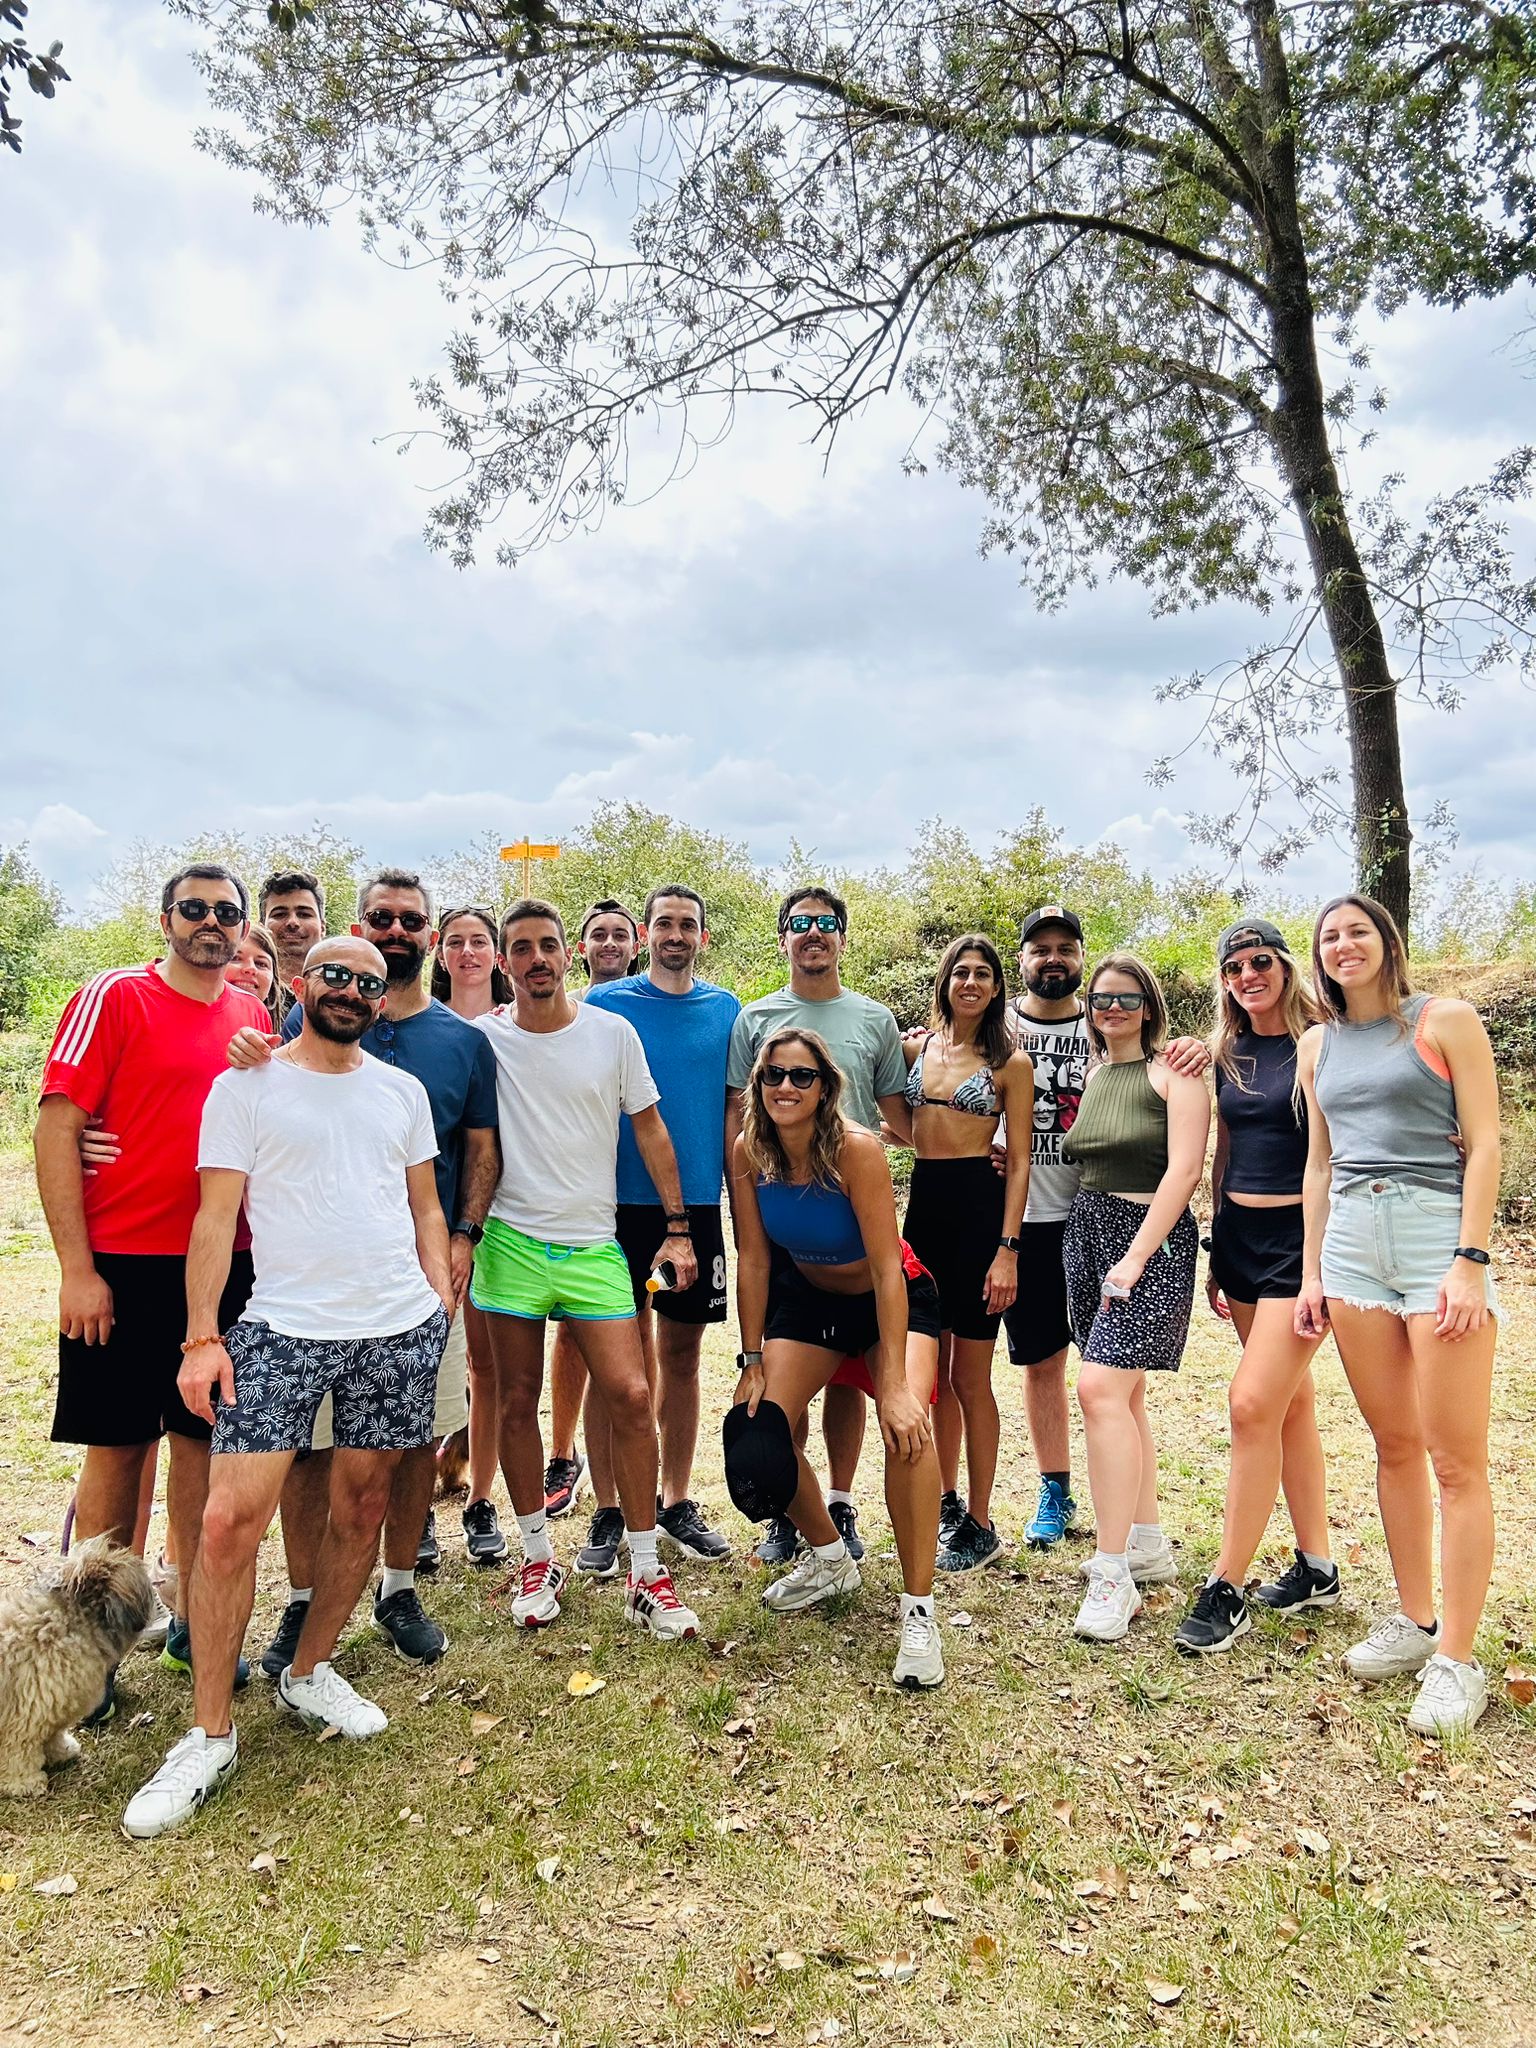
<point x="205" y="948"/>
<point x="403" y="960"/>
<point x="1053" y="984"/>
<point x="341" y="1024"/>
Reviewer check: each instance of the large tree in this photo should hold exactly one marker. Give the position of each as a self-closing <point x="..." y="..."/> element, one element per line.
<point x="1109" y="244"/>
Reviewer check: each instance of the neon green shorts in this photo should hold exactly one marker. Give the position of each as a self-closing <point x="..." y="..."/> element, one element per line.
<point x="516" y="1275"/>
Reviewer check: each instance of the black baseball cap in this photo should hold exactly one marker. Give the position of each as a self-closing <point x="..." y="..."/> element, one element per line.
<point x="1049" y="913"/>
<point x="762" y="1473"/>
<point x="1252" y="931"/>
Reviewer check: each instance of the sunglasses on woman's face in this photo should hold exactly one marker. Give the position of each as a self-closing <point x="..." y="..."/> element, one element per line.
<point x="334" y="975"/>
<point x="797" y="1077"/>
<point x="1234" y="970"/>
<point x="802" y="921"/>
<point x="196" y="909"/>
<point x="381" y="920"/>
<point x="1110" y="999"/>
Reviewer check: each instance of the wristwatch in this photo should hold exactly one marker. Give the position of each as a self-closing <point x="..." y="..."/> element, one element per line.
<point x="746" y="1361"/>
<point x="1478" y="1258"/>
<point x="473" y="1231"/>
<point x="1008" y="1244"/>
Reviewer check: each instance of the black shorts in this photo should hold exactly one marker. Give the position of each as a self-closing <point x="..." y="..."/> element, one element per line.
<point x="640" y="1228"/>
<point x="1256" y="1253"/>
<point x="802" y="1313"/>
<point x="954" y="1220"/>
<point x="1038" y="1325"/>
<point x="124" y="1391"/>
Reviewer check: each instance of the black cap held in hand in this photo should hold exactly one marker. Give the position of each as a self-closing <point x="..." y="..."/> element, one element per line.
<point x="762" y="1473"/>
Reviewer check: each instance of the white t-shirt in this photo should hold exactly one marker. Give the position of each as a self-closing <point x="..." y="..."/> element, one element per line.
<point x="324" y="1155"/>
<point x="560" y="1095"/>
<point x="1062" y="1053"/>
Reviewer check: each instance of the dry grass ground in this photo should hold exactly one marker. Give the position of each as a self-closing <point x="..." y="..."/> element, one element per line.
<point x="757" y="1839"/>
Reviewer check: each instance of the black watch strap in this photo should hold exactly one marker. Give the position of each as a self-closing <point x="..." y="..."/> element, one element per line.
<point x="473" y="1231"/>
<point x="1008" y="1244"/>
<point x="1474" y="1253"/>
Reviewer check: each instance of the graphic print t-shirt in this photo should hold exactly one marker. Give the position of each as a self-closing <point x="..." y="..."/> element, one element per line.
<point x="1061" y="1054"/>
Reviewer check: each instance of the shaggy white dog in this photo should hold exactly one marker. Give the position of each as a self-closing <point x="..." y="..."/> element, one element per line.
<point x="59" y="1637"/>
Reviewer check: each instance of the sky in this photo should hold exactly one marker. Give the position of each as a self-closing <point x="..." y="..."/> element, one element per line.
<point x="220" y="613"/>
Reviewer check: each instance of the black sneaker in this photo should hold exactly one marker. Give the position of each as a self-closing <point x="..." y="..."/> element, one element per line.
<point x="684" y="1527"/>
<point x="177" y="1654"/>
<point x="951" y="1515"/>
<point x="429" y="1552"/>
<point x="1302" y="1586"/>
<point x="845" y="1519"/>
<point x="598" y="1557"/>
<point x="1218" y="1617"/>
<point x="106" y="1706"/>
<point x="482" y="1533"/>
<point x="284" y="1646"/>
<point x="415" y="1635"/>
<point x="971" y="1546"/>
<point x="562" y="1484"/>
<point x="780" y="1540"/>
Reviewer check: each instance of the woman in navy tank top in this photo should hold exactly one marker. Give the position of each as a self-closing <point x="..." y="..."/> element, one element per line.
<point x="1401" y="1180"/>
<point x="826" y="1289"/>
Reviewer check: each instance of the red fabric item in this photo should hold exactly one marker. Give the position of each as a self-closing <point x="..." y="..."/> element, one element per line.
<point x="133" y="1052"/>
<point x="854" y="1372"/>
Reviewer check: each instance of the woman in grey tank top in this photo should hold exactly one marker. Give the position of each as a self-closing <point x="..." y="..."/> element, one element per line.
<point x="1401" y="1179"/>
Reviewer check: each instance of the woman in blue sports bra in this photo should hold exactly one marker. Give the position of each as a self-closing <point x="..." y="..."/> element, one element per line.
<point x="963" y="1220"/>
<point x="848" y="1302"/>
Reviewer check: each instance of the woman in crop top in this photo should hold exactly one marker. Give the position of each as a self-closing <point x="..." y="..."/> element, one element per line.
<point x="1130" y="1251"/>
<point x="1264" y="1003"/>
<point x="1400" y="1092"/>
<point x="847" y="1301"/>
<point x="963" y="1220"/>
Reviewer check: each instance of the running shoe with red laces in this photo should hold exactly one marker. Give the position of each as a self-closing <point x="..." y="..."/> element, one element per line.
<point x="654" y="1604"/>
<point x="537" y="1601"/>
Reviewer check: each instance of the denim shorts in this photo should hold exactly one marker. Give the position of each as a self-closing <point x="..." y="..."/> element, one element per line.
<point x="1389" y="1244"/>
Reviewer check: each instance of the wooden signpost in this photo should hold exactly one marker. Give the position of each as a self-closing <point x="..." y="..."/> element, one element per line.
<point x="528" y="851"/>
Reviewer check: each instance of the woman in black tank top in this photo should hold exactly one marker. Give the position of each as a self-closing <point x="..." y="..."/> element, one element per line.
<point x="1263" y="1005"/>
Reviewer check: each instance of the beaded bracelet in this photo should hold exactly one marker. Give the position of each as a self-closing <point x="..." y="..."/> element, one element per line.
<point x="192" y="1343"/>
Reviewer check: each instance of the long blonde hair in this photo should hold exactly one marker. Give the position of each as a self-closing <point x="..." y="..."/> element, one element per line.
<point x="760" y="1134"/>
<point x="1299" y="1009"/>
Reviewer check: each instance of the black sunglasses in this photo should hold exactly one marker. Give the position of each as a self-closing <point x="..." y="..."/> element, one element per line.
<point x="1259" y="962"/>
<point x="334" y="975"/>
<point x="408" y="920"/>
<point x="797" y="1077"/>
<point x="196" y="910"/>
<point x="1108" y="999"/>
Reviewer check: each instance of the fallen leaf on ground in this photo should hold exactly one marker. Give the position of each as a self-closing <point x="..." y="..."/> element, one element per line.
<point x="488" y="1955"/>
<point x="264" y="1865"/>
<point x="984" y="1948"/>
<point x="534" y="2013"/>
<point x="936" y="1909"/>
<point x="194" y="1993"/>
<point x="960" y="1620"/>
<point x="1063" y="1812"/>
<point x="582" y="1684"/>
<point x="57" y="1887"/>
<point x="1188" y="1903"/>
<point x="742" y="1725"/>
<point x="467" y="1766"/>
<point x="1161" y="1992"/>
<point x="899" y="1968"/>
<point x="546" y="1868"/>
<point x="790" y="1959"/>
<point x="8" y="1880"/>
<point x="765" y="2032"/>
<point x="1310" y="1840"/>
<point x="1519" y="1686"/>
<point x="482" y="1724"/>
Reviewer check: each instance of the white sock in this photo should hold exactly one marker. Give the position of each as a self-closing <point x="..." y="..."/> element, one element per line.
<point x="834" y="1496"/>
<point x="1318" y="1564"/>
<point x="1110" y="1564"/>
<point x="830" y="1553"/>
<point x="537" y="1548"/>
<point x="643" y="1561"/>
<point x="397" y="1582"/>
<point x="300" y="1593"/>
<point x="916" y="1603"/>
<point x="1146" y="1536"/>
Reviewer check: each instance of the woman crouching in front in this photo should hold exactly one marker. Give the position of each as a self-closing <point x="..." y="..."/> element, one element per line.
<point x="846" y="1301"/>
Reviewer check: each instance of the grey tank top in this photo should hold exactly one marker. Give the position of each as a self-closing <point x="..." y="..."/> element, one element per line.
<point x="1388" y="1112"/>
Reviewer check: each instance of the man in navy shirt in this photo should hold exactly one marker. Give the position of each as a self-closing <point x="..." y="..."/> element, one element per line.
<point x="685" y="1028"/>
<point x="454" y="1063"/>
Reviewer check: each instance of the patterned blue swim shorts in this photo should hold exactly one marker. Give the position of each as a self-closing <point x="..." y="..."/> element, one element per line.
<point x="383" y="1389"/>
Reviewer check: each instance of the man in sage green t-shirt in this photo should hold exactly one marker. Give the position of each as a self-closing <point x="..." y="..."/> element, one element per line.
<point x="864" y="1040"/>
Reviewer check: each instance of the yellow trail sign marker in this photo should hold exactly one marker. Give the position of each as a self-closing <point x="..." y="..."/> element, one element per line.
<point x="528" y="851"/>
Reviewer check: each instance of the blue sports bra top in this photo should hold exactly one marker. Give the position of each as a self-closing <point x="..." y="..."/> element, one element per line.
<point x="814" y="1224"/>
<point x="976" y="1095"/>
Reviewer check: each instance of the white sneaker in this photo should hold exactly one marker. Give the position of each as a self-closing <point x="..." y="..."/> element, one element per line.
<point x="537" y="1600"/>
<point x="1395" y="1648"/>
<point x="1155" y="1566"/>
<point x="152" y="1635"/>
<point x="1109" y="1607"/>
<point x="194" y="1769"/>
<point x="325" y="1700"/>
<point x="920" y="1660"/>
<point x="654" y="1604"/>
<point x="813" y="1579"/>
<point x="1452" y="1697"/>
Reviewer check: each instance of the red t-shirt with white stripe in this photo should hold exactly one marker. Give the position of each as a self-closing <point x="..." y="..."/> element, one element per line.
<point x="134" y="1052"/>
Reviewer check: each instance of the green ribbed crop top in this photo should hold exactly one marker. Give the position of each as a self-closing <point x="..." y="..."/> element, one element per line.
<point x="1120" y="1138"/>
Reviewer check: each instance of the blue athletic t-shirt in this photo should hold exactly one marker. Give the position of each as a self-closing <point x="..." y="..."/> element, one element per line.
<point x="686" y="1041"/>
<point x="453" y="1062"/>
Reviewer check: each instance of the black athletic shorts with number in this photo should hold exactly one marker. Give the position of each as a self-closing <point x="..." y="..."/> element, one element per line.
<point x="640" y="1230"/>
<point x="1038" y="1325"/>
<point x="124" y="1391"/>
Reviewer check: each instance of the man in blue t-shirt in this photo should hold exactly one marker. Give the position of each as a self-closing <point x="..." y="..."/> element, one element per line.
<point x="454" y="1063"/>
<point x="685" y="1027"/>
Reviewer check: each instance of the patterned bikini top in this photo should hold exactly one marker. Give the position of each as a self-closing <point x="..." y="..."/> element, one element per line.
<point x="976" y="1095"/>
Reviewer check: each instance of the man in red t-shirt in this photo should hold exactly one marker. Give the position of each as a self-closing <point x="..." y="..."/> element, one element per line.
<point x="139" y="1047"/>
